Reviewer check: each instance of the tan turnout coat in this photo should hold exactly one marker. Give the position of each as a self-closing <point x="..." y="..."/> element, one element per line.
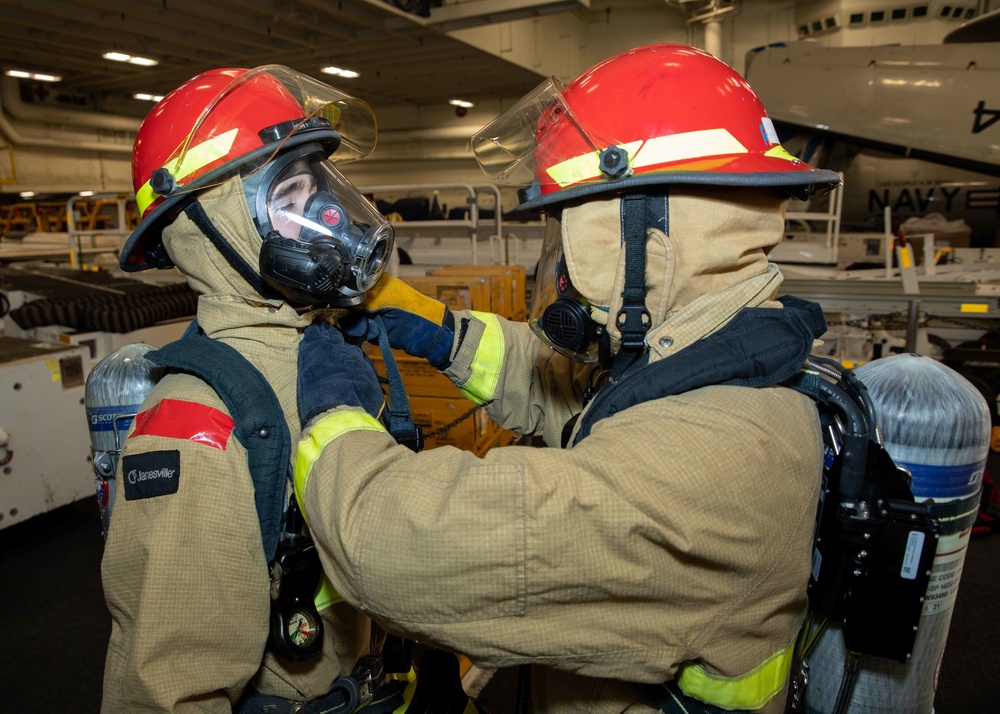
<point x="679" y="531"/>
<point x="184" y="573"/>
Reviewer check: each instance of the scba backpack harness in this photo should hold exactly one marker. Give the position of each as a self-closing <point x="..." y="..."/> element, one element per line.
<point x="873" y="543"/>
<point x="296" y="630"/>
<point x="294" y="567"/>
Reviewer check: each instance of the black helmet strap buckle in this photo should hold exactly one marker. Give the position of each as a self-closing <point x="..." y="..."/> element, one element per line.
<point x="633" y="319"/>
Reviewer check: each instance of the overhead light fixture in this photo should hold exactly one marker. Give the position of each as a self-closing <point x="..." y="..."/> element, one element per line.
<point x="84" y="194"/>
<point x="340" y="72"/>
<point x="38" y="76"/>
<point x="116" y="56"/>
<point x="27" y="194"/>
<point x="147" y="97"/>
<point x="461" y="103"/>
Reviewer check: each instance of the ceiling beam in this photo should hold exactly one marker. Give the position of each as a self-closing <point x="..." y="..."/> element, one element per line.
<point x="462" y="15"/>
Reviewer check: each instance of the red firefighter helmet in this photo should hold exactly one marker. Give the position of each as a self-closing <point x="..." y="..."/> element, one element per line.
<point x="656" y="114"/>
<point x="228" y="123"/>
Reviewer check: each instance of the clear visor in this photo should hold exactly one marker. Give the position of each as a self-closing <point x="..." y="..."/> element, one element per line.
<point x="311" y="201"/>
<point x="507" y="148"/>
<point x="352" y="118"/>
<point x="552" y="284"/>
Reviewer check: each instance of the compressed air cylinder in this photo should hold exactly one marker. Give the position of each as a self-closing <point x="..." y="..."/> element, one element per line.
<point x="115" y="389"/>
<point x="937" y="426"/>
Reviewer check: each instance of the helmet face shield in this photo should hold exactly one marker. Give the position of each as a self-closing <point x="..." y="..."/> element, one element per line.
<point x="524" y="145"/>
<point x="323" y="242"/>
<point x="559" y="314"/>
<point x="226" y="124"/>
<point x="505" y="148"/>
<point x="657" y="114"/>
<point x="317" y="105"/>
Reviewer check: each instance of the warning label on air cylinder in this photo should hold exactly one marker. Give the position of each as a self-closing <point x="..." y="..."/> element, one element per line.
<point x="911" y="558"/>
<point x="945" y="574"/>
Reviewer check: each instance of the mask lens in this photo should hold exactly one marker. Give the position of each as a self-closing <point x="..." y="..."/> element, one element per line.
<point x="321" y="237"/>
<point x="372" y="255"/>
<point x="287" y="199"/>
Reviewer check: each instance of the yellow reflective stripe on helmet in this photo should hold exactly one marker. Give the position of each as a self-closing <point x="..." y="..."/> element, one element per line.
<point x="583" y="167"/>
<point x="689" y="145"/>
<point x="322" y="433"/>
<point x="203" y="154"/>
<point x="749" y="691"/>
<point x="487" y="362"/>
<point x="326" y="595"/>
<point x="778" y="152"/>
<point x="194" y="158"/>
<point x="665" y="149"/>
<point x="145" y="196"/>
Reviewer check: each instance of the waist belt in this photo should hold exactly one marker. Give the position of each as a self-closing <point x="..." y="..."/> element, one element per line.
<point x="365" y="688"/>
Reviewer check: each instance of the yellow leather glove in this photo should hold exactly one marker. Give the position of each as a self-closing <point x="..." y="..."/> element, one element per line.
<point x="415" y="323"/>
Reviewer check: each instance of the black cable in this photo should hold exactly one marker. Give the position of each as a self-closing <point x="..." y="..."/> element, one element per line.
<point x="523" y="699"/>
<point x="852" y="668"/>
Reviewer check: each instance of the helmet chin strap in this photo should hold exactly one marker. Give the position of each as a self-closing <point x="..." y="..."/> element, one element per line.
<point x="633" y="320"/>
<point x="197" y="214"/>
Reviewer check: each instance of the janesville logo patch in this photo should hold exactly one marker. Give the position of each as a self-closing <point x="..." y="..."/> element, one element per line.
<point x="155" y="473"/>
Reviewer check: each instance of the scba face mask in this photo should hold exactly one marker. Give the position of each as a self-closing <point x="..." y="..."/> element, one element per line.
<point x="323" y="243"/>
<point x="560" y="315"/>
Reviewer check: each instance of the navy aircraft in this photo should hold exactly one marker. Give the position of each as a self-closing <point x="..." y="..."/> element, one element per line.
<point x="915" y="128"/>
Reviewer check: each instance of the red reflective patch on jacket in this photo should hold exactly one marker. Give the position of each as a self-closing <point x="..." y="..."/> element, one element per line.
<point x="177" y="419"/>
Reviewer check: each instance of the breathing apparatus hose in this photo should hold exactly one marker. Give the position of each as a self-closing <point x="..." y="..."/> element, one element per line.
<point x="856" y="431"/>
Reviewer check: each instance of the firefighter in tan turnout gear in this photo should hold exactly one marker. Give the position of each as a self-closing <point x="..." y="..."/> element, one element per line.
<point x="661" y="559"/>
<point x="212" y="584"/>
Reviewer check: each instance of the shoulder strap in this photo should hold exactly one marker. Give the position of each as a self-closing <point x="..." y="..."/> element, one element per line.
<point x="758" y="348"/>
<point x="260" y="421"/>
<point x="401" y="424"/>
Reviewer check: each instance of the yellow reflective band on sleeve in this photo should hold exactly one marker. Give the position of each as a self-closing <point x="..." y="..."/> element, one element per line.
<point x="326" y="595"/>
<point x="488" y="361"/>
<point x="322" y="433"/>
<point x="750" y="691"/>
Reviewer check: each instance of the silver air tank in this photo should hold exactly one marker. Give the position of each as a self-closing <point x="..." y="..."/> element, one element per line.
<point x="115" y="390"/>
<point x="936" y="425"/>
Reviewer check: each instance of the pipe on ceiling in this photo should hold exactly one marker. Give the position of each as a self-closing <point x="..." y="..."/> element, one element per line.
<point x="18" y="109"/>
<point x="17" y="139"/>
